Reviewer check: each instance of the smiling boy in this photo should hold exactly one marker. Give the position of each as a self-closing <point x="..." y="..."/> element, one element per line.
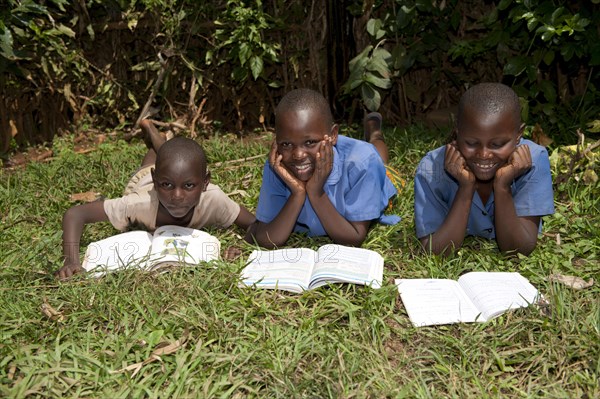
<point x="319" y="182"/>
<point x="172" y="187"/>
<point x="487" y="182"/>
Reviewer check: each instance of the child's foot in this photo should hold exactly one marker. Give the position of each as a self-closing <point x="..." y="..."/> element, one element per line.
<point x="372" y="126"/>
<point x="152" y="137"/>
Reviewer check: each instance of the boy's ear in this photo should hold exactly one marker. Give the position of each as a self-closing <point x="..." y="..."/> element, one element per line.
<point x="206" y="180"/>
<point x="333" y="134"/>
<point x="152" y="174"/>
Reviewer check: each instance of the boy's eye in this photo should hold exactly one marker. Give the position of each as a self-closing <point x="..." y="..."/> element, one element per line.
<point x="497" y="145"/>
<point x="165" y="184"/>
<point x="189" y="186"/>
<point x="285" y="145"/>
<point x="310" y="143"/>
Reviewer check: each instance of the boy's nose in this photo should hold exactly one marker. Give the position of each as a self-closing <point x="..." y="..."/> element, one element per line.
<point x="298" y="153"/>
<point x="177" y="194"/>
<point x="485" y="153"/>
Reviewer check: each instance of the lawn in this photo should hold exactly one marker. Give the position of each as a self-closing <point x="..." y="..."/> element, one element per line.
<point x="195" y="333"/>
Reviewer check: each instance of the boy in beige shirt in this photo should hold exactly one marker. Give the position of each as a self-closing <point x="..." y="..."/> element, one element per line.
<point x="171" y="188"/>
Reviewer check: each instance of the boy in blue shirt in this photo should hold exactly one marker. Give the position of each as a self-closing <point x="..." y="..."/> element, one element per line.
<point x="318" y="182"/>
<point x="487" y="182"/>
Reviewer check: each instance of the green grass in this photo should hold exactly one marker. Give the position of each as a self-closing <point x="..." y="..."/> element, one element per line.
<point x="337" y="341"/>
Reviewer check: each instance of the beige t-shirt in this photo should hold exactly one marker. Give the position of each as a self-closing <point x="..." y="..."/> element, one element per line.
<point x="140" y="208"/>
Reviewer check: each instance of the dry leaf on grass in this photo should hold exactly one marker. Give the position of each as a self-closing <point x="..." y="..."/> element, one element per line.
<point x="52" y="313"/>
<point x="11" y="372"/>
<point x="32" y="155"/>
<point x="577" y="283"/>
<point x="88" y="196"/>
<point x="163" y="348"/>
<point x="243" y="193"/>
<point x="540" y="137"/>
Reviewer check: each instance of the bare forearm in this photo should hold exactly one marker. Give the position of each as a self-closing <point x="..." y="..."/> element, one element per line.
<point x="73" y="223"/>
<point x="451" y="233"/>
<point x="513" y="233"/>
<point x="72" y="230"/>
<point x="245" y="218"/>
<point x="337" y="227"/>
<point x="277" y="231"/>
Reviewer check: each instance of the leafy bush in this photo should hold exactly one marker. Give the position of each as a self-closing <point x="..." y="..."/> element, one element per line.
<point x="547" y="50"/>
<point x="240" y="40"/>
<point x="102" y="56"/>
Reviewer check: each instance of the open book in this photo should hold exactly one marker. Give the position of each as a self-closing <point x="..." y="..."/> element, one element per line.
<point x="476" y="296"/>
<point x="300" y="269"/>
<point x="168" y="246"/>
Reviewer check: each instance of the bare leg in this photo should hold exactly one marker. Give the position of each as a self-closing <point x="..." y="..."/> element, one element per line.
<point x="374" y="135"/>
<point x="153" y="140"/>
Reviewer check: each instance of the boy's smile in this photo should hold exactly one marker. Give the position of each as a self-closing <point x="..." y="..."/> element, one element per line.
<point x="487" y="141"/>
<point x="298" y="136"/>
<point x="179" y="185"/>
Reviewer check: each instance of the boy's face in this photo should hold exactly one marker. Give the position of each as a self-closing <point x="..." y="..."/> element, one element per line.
<point x="487" y="141"/>
<point x="179" y="185"/>
<point x="298" y="135"/>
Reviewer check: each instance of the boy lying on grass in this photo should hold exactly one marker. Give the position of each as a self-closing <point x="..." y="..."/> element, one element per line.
<point x="487" y="182"/>
<point x="318" y="182"/>
<point x="171" y="188"/>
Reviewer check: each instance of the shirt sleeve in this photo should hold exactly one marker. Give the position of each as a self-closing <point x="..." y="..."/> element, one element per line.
<point x="116" y="210"/>
<point x="136" y="210"/>
<point x="431" y="205"/>
<point x="532" y="192"/>
<point x="273" y="195"/>
<point x="215" y="209"/>
<point x="369" y="190"/>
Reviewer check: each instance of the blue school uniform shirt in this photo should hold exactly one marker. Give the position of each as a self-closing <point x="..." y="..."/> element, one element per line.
<point x="435" y="190"/>
<point x="357" y="187"/>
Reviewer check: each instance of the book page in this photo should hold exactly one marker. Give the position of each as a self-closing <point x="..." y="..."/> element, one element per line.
<point x="178" y="245"/>
<point x="436" y="301"/>
<point x="286" y="269"/>
<point x="129" y="249"/>
<point x="496" y="292"/>
<point x="338" y="263"/>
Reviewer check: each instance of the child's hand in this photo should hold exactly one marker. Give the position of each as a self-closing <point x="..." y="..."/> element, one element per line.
<point x="68" y="270"/>
<point x="518" y="163"/>
<point x="456" y="165"/>
<point x="295" y="185"/>
<point x="323" y="167"/>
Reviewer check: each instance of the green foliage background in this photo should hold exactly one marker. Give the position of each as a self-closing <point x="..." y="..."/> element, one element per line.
<point x="65" y="65"/>
<point x="548" y="51"/>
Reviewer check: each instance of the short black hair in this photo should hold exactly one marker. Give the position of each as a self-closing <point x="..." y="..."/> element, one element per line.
<point x="181" y="149"/>
<point x="489" y="99"/>
<point x="308" y="99"/>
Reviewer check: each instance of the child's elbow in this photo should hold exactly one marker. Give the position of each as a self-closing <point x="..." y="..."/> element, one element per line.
<point x="262" y="243"/>
<point x="255" y="236"/>
<point x="526" y="249"/>
<point x="355" y="241"/>
<point x="430" y="248"/>
<point x="250" y="236"/>
<point x="270" y="243"/>
<point x="72" y="215"/>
